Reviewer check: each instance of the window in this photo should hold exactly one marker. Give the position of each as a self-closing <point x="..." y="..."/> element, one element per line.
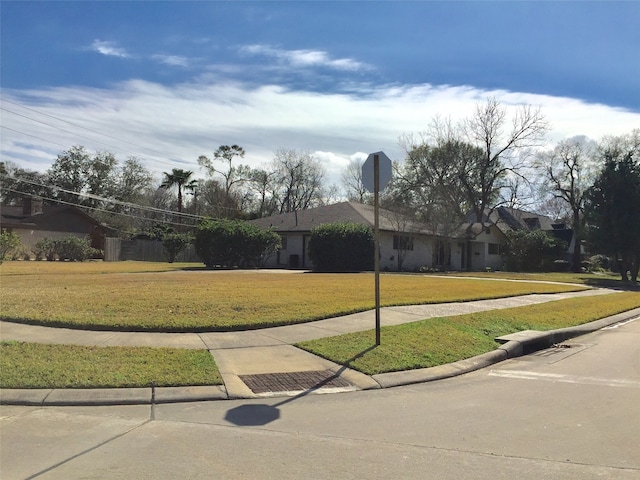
<point x="401" y="242"/>
<point x="283" y="243"/>
<point x="494" y="249"/>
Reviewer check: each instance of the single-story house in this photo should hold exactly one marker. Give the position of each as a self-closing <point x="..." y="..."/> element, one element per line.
<point x="404" y="245"/>
<point x="33" y="221"/>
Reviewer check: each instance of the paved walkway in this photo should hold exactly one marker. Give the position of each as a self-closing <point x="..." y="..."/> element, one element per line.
<point x="264" y="362"/>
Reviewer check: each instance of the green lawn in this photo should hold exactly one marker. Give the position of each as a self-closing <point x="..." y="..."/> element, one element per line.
<point x="187" y="297"/>
<point x="438" y="341"/>
<point x="30" y="365"/>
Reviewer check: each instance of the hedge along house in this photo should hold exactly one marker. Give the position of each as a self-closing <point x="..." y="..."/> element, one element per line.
<point x="33" y="221"/>
<point x="404" y="244"/>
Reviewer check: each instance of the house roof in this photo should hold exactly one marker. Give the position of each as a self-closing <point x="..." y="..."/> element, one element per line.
<point x="508" y="219"/>
<point x="351" y="212"/>
<point x="15" y="217"/>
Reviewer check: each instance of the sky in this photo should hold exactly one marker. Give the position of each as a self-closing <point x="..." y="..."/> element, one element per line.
<point x="169" y="81"/>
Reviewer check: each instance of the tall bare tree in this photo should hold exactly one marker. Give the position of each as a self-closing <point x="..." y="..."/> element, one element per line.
<point x="298" y="182"/>
<point x="352" y="182"/>
<point x="505" y="146"/>
<point x="474" y="158"/>
<point x="568" y="172"/>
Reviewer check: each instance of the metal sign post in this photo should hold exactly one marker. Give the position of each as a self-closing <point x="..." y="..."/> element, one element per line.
<point x="376" y="239"/>
<point x="376" y="173"/>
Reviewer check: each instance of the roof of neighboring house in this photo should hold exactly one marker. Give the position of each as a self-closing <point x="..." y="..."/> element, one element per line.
<point x="352" y="212"/>
<point x="508" y="219"/>
<point x="15" y="217"/>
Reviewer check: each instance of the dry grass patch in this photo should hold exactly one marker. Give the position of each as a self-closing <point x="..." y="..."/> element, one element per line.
<point x="28" y="365"/>
<point x="439" y="341"/>
<point x="221" y="300"/>
<point x="89" y="267"/>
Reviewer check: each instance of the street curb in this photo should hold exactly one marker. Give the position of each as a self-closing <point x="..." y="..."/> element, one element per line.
<point x="511" y="349"/>
<point x="69" y="397"/>
<point x="529" y="343"/>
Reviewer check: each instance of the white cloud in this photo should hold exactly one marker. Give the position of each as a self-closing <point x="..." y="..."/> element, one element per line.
<point x="305" y="58"/>
<point x="172" y="60"/>
<point x="171" y="126"/>
<point x="108" y="48"/>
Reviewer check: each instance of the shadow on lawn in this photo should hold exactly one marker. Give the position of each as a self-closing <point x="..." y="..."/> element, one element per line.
<point x="613" y="283"/>
<point x="252" y="415"/>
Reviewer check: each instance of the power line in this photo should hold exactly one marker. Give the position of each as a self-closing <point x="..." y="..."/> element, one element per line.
<point x="74" y="134"/>
<point x="118" y="202"/>
<point x="33" y="136"/>
<point x="58" y="128"/>
<point x="97" y="209"/>
<point x="79" y="126"/>
<point x="79" y="135"/>
<point x="105" y="199"/>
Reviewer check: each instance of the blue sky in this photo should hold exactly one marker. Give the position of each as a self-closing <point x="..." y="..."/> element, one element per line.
<point x="169" y="81"/>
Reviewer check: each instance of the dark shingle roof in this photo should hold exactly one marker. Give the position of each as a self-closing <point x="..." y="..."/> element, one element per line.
<point x="352" y="212"/>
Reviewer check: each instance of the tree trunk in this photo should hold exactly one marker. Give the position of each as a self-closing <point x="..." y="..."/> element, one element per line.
<point x="577" y="250"/>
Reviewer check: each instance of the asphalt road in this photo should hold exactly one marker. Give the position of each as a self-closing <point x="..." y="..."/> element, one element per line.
<point x="565" y="413"/>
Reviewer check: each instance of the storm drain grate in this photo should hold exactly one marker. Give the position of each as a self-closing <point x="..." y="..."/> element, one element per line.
<point x="293" y="381"/>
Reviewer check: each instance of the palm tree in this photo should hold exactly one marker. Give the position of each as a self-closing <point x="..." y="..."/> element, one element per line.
<point x="181" y="179"/>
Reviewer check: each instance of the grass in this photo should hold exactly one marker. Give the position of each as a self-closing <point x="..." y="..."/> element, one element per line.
<point x="29" y="365"/>
<point x="184" y="297"/>
<point x="591" y="279"/>
<point x="89" y="267"/>
<point x="438" y="341"/>
<point x="143" y="296"/>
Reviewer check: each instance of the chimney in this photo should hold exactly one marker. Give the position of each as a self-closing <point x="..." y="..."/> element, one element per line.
<point x="31" y="206"/>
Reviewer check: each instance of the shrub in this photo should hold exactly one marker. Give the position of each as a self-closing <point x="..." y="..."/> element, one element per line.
<point x="175" y="243"/>
<point x="9" y="241"/>
<point x="45" y="248"/>
<point x="21" y="252"/>
<point x="600" y="263"/>
<point x="68" y="248"/>
<point x="230" y="243"/>
<point x="341" y="247"/>
<point x="531" y="250"/>
<point x="74" y="249"/>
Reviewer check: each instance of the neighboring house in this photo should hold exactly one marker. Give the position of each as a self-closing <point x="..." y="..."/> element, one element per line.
<point x="407" y="245"/>
<point x="34" y="221"/>
<point x="483" y="246"/>
<point x="404" y="245"/>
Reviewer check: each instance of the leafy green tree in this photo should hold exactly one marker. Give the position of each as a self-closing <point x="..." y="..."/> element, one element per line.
<point x="180" y="179"/>
<point x="612" y="211"/>
<point x="16" y="183"/>
<point x="8" y="242"/>
<point x="69" y="172"/>
<point x="233" y="176"/>
<point x="101" y="175"/>
<point x="341" y="247"/>
<point x="132" y="181"/>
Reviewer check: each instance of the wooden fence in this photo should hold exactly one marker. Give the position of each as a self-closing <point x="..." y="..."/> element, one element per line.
<point x="116" y="250"/>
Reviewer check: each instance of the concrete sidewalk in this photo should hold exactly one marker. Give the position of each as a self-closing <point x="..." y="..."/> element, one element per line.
<point x="263" y="362"/>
